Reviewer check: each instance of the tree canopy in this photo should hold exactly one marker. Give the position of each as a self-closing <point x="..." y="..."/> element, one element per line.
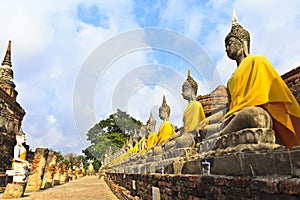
<point x="111" y="132"/>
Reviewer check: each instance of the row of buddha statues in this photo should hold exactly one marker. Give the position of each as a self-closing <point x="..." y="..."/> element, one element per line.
<point x="258" y="98"/>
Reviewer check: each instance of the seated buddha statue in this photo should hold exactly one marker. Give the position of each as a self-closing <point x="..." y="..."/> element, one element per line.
<point x="259" y="98"/>
<point x="192" y="116"/>
<point x="142" y="144"/>
<point x="20" y="164"/>
<point x="130" y="146"/>
<point x="19" y="151"/>
<point x="135" y="143"/>
<point x="166" y="129"/>
<point x="152" y="136"/>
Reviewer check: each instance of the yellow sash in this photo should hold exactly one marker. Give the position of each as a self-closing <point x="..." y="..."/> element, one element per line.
<point x="152" y="139"/>
<point x="192" y="116"/>
<point x="165" y="131"/>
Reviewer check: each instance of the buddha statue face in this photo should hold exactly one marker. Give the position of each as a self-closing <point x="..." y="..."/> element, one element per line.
<point x="20" y="139"/>
<point x="143" y="131"/>
<point x="187" y="91"/>
<point x="234" y="48"/>
<point x="164" y="110"/>
<point x="150" y="126"/>
<point x="163" y="114"/>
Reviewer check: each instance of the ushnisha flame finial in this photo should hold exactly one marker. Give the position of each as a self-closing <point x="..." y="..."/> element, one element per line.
<point x="234" y="18"/>
<point x="189" y="73"/>
<point x="164" y="100"/>
<point x="165" y="105"/>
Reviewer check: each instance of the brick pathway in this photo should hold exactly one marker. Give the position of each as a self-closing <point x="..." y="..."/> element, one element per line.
<point x="86" y="188"/>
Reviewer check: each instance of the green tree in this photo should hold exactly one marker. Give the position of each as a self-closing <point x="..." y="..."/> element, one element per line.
<point x="112" y="133"/>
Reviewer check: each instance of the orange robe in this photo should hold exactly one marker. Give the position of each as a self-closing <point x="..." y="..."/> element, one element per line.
<point x="22" y="156"/>
<point x="256" y="83"/>
<point x="152" y="140"/>
<point x="192" y="116"/>
<point x="165" y="131"/>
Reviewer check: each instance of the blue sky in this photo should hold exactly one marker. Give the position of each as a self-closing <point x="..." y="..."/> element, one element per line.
<point x="53" y="42"/>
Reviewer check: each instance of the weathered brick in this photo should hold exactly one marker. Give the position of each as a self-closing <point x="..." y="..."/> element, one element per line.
<point x="195" y="178"/>
<point x="291" y="186"/>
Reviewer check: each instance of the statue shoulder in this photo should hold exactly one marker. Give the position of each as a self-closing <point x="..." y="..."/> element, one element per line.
<point x="257" y="58"/>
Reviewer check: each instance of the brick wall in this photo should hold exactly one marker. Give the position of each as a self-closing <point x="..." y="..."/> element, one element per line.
<point x="195" y="187"/>
<point x="292" y="79"/>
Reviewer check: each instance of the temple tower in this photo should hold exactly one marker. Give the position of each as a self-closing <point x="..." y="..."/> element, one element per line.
<point x="7" y="75"/>
<point x="11" y="112"/>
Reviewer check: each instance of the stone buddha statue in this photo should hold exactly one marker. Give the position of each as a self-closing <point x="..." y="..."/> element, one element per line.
<point x="192" y="116"/>
<point x="166" y="129"/>
<point x="142" y="144"/>
<point x="135" y="141"/>
<point x="152" y="136"/>
<point x="20" y="164"/>
<point x="259" y="98"/>
<point x="91" y="168"/>
<point x="130" y="145"/>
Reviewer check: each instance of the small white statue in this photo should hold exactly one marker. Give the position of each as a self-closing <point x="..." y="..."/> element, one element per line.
<point x="20" y="164"/>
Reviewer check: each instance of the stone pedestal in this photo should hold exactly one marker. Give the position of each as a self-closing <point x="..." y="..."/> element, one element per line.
<point x="37" y="171"/>
<point x="250" y="139"/>
<point x="57" y="174"/>
<point x="49" y="171"/>
<point x="64" y="174"/>
<point x="63" y="178"/>
<point x="14" y="191"/>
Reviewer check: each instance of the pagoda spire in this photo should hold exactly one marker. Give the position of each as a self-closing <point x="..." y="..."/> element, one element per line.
<point x="7" y="58"/>
<point x="7" y="75"/>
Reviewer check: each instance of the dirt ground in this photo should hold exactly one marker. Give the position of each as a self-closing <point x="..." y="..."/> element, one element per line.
<point x="86" y="188"/>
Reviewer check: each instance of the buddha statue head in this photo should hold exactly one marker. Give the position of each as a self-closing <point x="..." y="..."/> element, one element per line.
<point x="237" y="32"/>
<point x="189" y="88"/>
<point x="151" y="123"/>
<point x="130" y="142"/>
<point x="143" y="131"/>
<point x="135" y="137"/>
<point x="20" y="137"/>
<point x="164" y="110"/>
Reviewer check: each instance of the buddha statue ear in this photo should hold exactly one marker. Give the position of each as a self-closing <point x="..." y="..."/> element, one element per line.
<point x="246" y="50"/>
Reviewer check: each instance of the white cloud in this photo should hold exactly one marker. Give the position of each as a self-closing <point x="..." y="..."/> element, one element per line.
<point x="51" y="119"/>
<point x="50" y="45"/>
<point x="185" y="16"/>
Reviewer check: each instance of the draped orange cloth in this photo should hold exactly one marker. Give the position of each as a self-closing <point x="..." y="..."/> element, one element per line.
<point x="22" y="156"/>
<point x="165" y="131"/>
<point x="152" y="139"/>
<point x="133" y="149"/>
<point x="256" y="83"/>
<point x="192" y="116"/>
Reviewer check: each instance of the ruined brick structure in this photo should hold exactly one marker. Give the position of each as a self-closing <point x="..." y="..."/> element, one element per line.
<point x="292" y="79"/>
<point x="214" y="101"/>
<point x="11" y="113"/>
